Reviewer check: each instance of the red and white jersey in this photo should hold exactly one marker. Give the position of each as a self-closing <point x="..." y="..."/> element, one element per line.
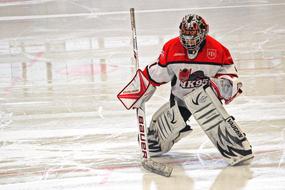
<point x="174" y="65"/>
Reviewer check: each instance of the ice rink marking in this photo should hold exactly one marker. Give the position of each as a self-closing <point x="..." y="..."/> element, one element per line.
<point x="94" y="14"/>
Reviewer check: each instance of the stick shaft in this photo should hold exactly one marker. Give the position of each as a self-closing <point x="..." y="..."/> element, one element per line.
<point x="140" y="111"/>
<point x="134" y="38"/>
<point x="147" y="163"/>
<point x="142" y="132"/>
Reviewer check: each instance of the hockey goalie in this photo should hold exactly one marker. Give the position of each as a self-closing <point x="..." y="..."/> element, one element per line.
<point x="203" y="78"/>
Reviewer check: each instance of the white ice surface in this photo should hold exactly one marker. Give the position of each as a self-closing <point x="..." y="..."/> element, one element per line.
<point x="63" y="62"/>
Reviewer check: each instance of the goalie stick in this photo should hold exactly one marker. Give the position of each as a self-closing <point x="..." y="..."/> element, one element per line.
<point x="147" y="162"/>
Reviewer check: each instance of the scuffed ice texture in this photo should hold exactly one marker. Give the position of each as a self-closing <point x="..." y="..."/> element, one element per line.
<point x="63" y="62"/>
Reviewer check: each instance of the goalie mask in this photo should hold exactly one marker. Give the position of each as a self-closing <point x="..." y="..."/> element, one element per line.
<point x="193" y="30"/>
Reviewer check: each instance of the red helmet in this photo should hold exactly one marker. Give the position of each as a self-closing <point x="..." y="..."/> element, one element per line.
<point x="193" y="30"/>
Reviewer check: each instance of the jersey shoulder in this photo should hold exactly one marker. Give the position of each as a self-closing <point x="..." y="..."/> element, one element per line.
<point x="217" y="52"/>
<point x="170" y="48"/>
<point x="172" y="43"/>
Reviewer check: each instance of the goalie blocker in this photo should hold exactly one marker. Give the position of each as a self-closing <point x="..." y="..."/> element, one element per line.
<point x="219" y="126"/>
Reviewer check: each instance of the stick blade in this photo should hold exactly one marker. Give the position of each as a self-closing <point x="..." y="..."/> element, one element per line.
<point x="156" y="167"/>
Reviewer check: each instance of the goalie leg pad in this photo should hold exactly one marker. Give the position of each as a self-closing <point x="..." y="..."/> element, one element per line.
<point x="219" y="126"/>
<point x="166" y="128"/>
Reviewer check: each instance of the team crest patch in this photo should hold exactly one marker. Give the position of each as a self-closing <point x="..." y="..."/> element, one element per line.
<point x="184" y="74"/>
<point x="211" y="53"/>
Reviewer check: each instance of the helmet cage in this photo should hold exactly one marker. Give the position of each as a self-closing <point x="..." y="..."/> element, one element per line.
<point x="193" y="31"/>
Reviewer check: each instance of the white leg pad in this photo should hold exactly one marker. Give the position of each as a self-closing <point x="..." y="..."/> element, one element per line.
<point x="165" y="125"/>
<point x="219" y="126"/>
